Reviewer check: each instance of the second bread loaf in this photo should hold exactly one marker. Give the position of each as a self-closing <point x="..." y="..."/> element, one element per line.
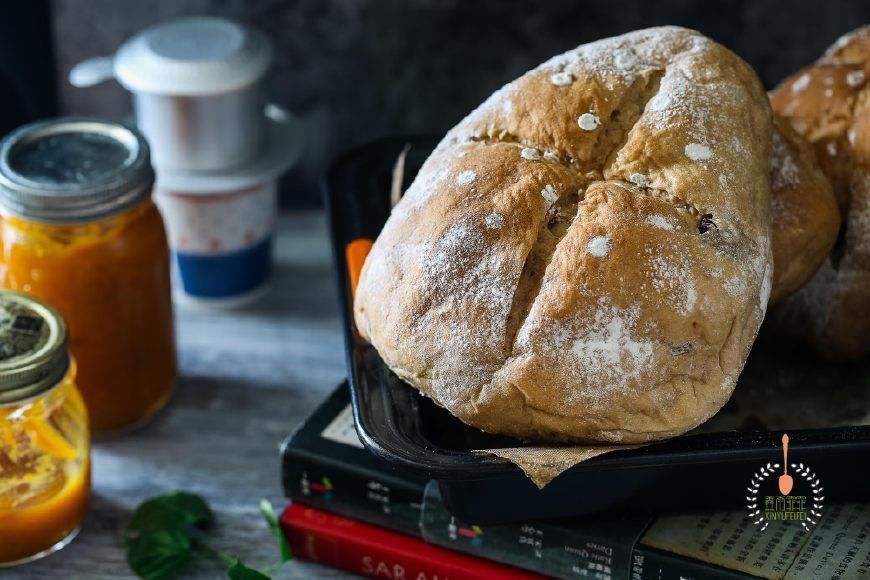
<point x="829" y="104"/>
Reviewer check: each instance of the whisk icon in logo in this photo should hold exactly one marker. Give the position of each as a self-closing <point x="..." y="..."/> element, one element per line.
<point x="780" y="503"/>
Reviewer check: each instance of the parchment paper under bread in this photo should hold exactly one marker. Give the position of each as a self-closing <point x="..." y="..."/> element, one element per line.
<point x="543" y="464"/>
<point x="778" y="391"/>
<point x="781" y="388"/>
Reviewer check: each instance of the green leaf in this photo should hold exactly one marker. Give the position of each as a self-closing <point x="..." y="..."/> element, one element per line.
<point x="173" y="511"/>
<point x="158" y="538"/>
<point x="272" y="520"/>
<point x="238" y="571"/>
<point x="158" y="555"/>
<point x="164" y="534"/>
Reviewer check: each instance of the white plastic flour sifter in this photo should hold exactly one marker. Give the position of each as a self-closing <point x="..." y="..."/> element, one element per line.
<point x="217" y="146"/>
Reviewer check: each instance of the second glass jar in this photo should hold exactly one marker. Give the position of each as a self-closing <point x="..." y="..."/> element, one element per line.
<point x="44" y="444"/>
<point x="79" y="230"/>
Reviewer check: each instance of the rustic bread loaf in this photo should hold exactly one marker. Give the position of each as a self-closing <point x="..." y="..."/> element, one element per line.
<point x="829" y="104"/>
<point x="805" y="219"/>
<point x="586" y="257"/>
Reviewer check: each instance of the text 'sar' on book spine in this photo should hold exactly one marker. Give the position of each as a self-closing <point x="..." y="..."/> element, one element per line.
<point x="367" y="550"/>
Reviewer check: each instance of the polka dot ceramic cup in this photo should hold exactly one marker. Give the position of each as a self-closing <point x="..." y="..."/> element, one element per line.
<point x="222" y="241"/>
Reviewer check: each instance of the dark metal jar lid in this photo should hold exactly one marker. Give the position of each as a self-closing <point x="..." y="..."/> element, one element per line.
<point x="33" y="347"/>
<point x="73" y="170"/>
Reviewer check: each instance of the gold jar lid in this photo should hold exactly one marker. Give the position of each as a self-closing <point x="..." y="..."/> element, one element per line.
<point x="33" y="347"/>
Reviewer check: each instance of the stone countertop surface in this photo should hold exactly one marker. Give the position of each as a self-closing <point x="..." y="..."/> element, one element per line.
<point x="248" y="377"/>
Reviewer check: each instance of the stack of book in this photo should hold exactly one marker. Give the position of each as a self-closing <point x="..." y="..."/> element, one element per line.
<point x="352" y="511"/>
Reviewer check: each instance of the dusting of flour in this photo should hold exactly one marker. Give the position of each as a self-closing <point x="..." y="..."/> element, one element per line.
<point x="494" y="221"/>
<point x="661" y="222"/>
<point x="607" y="351"/>
<point x="698" y="152"/>
<point x="674" y="278"/>
<point x="467" y="287"/>
<point x="784" y="171"/>
<point x="466" y="178"/>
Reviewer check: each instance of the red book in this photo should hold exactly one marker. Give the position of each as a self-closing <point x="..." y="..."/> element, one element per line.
<point x="371" y="551"/>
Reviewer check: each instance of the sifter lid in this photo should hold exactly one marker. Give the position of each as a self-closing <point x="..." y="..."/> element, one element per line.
<point x="73" y="170"/>
<point x="192" y="56"/>
<point x="33" y="349"/>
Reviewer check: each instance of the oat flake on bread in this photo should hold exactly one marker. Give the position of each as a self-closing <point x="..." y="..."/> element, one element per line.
<point x="601" y="310"/>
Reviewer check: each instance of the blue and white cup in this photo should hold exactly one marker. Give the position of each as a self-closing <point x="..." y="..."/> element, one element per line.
<point x="222" y="242"/>
<point x="221" y="225"/>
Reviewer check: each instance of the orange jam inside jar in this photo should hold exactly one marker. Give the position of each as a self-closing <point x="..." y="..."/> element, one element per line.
<point x="44" y="441"/>
<point x="78" y="229"/>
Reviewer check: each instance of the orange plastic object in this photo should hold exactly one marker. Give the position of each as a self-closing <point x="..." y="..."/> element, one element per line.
<point x="355" y="255"/>
<point x="110" y="281"/>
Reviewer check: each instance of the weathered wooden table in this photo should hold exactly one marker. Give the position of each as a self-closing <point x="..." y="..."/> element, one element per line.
<point x="248" y="377"/>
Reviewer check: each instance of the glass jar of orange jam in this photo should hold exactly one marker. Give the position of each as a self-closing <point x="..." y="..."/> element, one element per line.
<point x="44" y="443"/>
<point x="78" y="229"/>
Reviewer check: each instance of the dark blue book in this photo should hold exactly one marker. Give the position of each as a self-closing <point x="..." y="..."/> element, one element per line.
<point x="325" y="465"/>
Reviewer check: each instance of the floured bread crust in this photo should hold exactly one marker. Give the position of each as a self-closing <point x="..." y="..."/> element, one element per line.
<point x="586" y="257"/>
<point x="829" y="104"/>
<point x="805" y="219"/>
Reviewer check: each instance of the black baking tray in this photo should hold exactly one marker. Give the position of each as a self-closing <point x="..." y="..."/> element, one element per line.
<point x="700" y="470"/>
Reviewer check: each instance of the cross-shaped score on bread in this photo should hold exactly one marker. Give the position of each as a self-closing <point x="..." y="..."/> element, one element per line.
<point x="603" y="275"/>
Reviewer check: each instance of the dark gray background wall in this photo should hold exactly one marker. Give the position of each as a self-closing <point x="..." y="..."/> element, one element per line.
<point x="355" y="70"/>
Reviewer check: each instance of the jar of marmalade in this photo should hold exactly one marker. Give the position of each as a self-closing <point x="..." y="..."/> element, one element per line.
<point x="44" y="446"/>
<point x="78" y="229"/>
